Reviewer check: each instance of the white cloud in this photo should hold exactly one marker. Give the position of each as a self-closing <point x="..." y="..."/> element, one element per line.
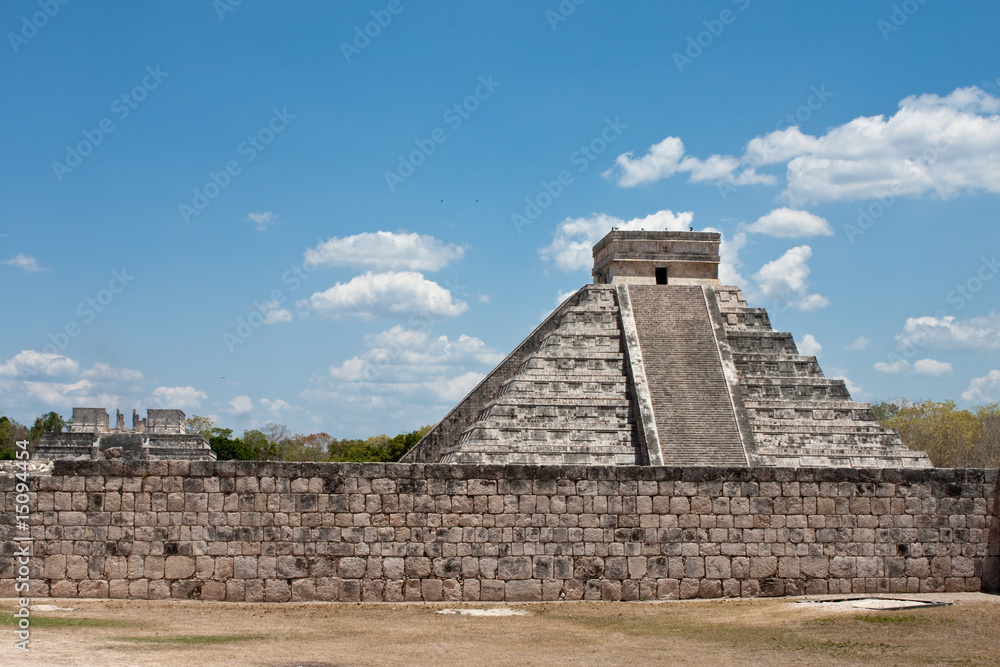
<point x="894" y="367"/>
<point x="452" y="389"/>
<point x="931" y="367"/>
<point x="667" y="158"/>
<point x="809" y="346"/>
<point x="979" y="334"/>
<point x="262" y="220"/>
<point x="939" y="145"/>
<point x="25" y="262"/>
<point x="984" y="389"/>
<point x="787" y="279"/>
<point x="67" y="395"/>
<point x="729" y="257"/>
<point x="28" y="363"/>
<point x="241" y="405"/>
<point x="52" y="381"/>
<point x="101" y="370"/>
<point x="177" y="397"/>
<point x="414" y="364"/>
<point x="385" y="250"/>
<point x="275" y="406"/>
<point x="789" y="223"/>
<point x="274" y="313"/>
<point x="573" y="243"/>
<point x="859" y="343"/>
<point x="353" y="370"/>
<point x="660" y="162"/>
<point x="389" y="294"/>
<point x="409" y="353"/>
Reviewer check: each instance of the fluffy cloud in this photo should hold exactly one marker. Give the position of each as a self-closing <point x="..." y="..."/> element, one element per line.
<point x="65" y="395"/>
<point x="979" y="334"/>
<point x="859" y="343"/>
<point x="262" y="220"/>
<point x="178" y="398"/>
<point x="573" y="244"/>
<point x="275" y="406"/>
<point x="786" y="279"/>
<point x="241" y="405"/>
<point x="921" y="367"/>
<point x="729" y="257"/>
<point x="660" y="162"/>
<point x="789" y="223"/>
<point x="452" y="389"/>
<point x="43" y="381"/>
<point x="894" y="367"/>
<point x="406" y="366"/>
<point x="809" y="346"/>
<point x="274" y="313"/>
<point x="931" y="367"/>
<point x="984" y="389"/>
<point x="667" y="158"/>
<point x="385" y="250"/>
<point x="25" y="262"/>
<point x="409" y="354"/>
<point x="390" y="294"/>
<point x="940" y="145"/>
<point x="28" y="363"/>
<point x="101" y="370"/>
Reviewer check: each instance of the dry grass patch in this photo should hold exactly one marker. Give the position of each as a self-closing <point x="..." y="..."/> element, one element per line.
<point x="735" y="632"/>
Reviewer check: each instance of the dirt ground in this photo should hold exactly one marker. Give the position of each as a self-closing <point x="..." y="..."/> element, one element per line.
<point x="735" y="632"/>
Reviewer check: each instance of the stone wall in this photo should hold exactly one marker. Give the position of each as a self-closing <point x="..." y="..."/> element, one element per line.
<point x="260" y="531"/>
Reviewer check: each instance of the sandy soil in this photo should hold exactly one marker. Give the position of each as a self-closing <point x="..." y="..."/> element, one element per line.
<point x="733" y="632"/>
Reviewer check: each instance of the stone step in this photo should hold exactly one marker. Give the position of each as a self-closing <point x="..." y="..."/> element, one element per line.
<point x="689" y="394"/>
<point x="568" y="401"/>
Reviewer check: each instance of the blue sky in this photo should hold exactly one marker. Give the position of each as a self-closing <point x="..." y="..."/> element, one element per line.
<point x="339" y="216"/>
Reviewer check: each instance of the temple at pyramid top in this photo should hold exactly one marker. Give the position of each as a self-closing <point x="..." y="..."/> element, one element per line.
<point x="658" y="363"/>
<point x="657" y="258"/>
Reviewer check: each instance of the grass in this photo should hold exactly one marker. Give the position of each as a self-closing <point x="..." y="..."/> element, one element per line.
<point x="891" y="620"/>
<point x="60" y="622"/>
<point x="845" y="648"/>
<point x="772" y="632"/>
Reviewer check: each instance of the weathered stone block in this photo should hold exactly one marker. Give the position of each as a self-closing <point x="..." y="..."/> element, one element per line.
<point x="178" y="567"/>
<point x="492" y="590"/>
<point x="718" y="567"/>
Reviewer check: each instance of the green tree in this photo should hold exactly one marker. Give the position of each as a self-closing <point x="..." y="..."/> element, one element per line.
<point x="378" y="448"/>
<point x="987" y="452"/>
<point x="226" y="447"/>
<point x="951" y="437"/>
<point x="403" y="442"/>
<point x="51" y="422"/>
<point x="886" y="410"/>
<point x="312" y="447"/>
<point x="280" y="438"/>
<point x="199" y="425"/>
<point x="258" y="443"/>
<point x="10" y="432"/>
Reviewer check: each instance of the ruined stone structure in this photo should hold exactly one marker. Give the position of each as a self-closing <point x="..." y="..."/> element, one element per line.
<point x="270" y="531"/>
<point x="160" y="435"/>
<point x="658" y="363"/>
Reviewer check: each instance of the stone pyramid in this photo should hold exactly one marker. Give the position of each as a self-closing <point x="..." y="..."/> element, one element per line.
<point x="658" y="363"/>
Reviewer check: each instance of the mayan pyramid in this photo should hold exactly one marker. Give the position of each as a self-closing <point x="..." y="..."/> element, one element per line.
<point x="658" y="363"/>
